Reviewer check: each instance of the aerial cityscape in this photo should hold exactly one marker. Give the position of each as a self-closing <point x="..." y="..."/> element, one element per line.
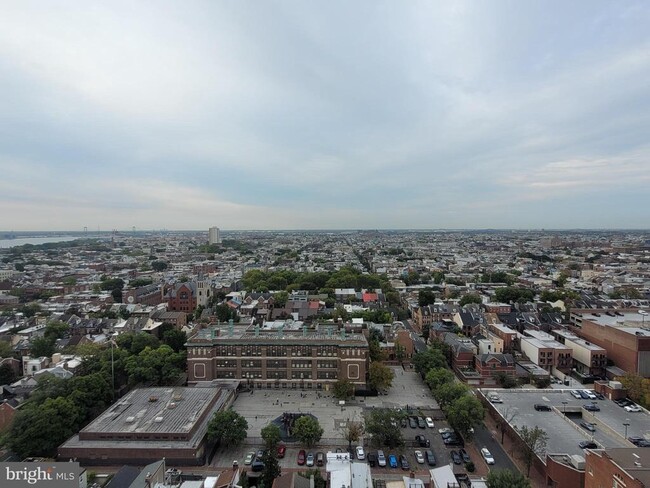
<point x="288" y="244"/>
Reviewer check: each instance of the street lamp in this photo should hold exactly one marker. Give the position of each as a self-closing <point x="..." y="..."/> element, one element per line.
<point x="626" y="424"/>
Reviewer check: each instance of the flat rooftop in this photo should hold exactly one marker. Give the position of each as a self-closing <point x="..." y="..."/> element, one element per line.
<point x="299" y="338"/>
<point x="564" y="431"/>
<point x="634" y="461"/>
<point x="570" y="336"/>
<point x="628" y="322"/>
<point x="155" y="410"/>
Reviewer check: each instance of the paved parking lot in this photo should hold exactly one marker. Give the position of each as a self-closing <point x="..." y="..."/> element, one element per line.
<point x="565" y="434"/>
<point x="263" y="406"/>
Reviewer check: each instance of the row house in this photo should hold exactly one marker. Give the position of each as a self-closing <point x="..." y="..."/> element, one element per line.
<point x="548" y="354"/>
<point x="488" y="366"/>
<point x="588" y="359"/>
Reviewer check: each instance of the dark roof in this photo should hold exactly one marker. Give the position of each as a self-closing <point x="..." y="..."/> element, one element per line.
<point x="124" y="477"/>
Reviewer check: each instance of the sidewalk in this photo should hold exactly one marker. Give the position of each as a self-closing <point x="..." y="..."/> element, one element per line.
<point x="537" y="479"/>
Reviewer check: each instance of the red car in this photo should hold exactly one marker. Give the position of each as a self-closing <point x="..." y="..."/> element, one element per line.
<point x="301" y="457"/>
<point x="282" y="450"/>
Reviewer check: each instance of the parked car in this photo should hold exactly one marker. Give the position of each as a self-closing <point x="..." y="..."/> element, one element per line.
<point x="282" y="450"/>
<point x="413" y="422"/>
<point x="301" y="457"/>
<point x="588" y="445"/>
<point x="431" y="459"/>
<point x="540" y="407"/>
<point x="464" y="455"/>
<point x="635" y="439"/>
<point x="360" y="453"/>
<point x="310" y="459"/>
<point x="590" y="394"/>
<point x="588" y="425"/>
<point x="258" y="465"/>
<point x="454" y="440"/>
<point x="494" y="398"/>
<point x="392" y="461"/>
<point x="455" y="457"/>
<point x="590" y="407"/>
<point x="404" y="463"/>
<point x="445" y="430"/>
<point x="583" y="395"/>
<point x="429" y="422"/>
<point x="320" y="459"/>
<point x="248" y="460"/>
<point x="487" y="456"/>
<point x="381" y="459"/>
<point x="421" y="423"/>
<point x="419" y="457"/>
<point x="632" y="408"/>
<point x="403" y="422"/>
<point x="422" y="441"/>
<point x="259" y="454"/>
<point x="372" y="459"/>
<point x="623" y="402"/>
<point x="575" y="394"/>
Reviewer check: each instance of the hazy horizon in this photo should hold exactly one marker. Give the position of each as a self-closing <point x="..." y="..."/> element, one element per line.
<point x="332" y="115"/>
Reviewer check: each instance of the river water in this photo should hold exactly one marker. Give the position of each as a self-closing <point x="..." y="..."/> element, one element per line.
<point x="7" y="243"/>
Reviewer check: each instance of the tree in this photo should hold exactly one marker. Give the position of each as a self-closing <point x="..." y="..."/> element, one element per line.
<point x="224" y="313"/>
<point x="510" y="294"/>
<point x="175" y="339"/>
<point x="464" y="413"/>
<point x="506" y="418"/>
<point x="271" y="436"/>
<point x="307" y="430"/>
<point x="41" y="347"/>
<point x="343" y="389"/>
<point x="352" y="432"/>
<point x="427" y="360"/>
<point x="6" y="351"/>
<point x="91" y="394"/>
<point x="280" y="299"/>
<point x="271" y="467"/>
<point x="470" y="298"/>
<point x="227" y="427"/>
<point x="426" y="297"/>
<point x="136" y="343"/>
<point x="380" y="376"/>
<point x="7" y="374"/>
<point x="37" y="430"/>
<point x="532" y="442"/>
<point x="159" y="266"/>
<point x="505" y="380"/>
<point x="437" y="377"/>
<point x="426" y="331"/>
<point x="383" y="426"/>
<point x="160" y="366"/>
<point x="505" y="478"/>
<point x="56" y="330"/>
<point x="448" y="393"/>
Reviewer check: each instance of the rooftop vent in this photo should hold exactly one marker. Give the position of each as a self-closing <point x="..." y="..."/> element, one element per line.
<point x="158" y="420"/>
<point x="153" y="398"/>
<point x="130" y="420"/>
<point x="171" y="405"/>
<point x="177" y="396"/>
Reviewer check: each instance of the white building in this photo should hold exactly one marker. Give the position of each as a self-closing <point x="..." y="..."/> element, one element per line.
<point x="214" y="236"/>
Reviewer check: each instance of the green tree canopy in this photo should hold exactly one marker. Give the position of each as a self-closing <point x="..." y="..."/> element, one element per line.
<point x="464" y="413"/>
<point x="343" y="389"/>
<point x="437" y="377"/>
<point x="227" y="427"/>
<point x="7" y="374"/>
<point x="41" y="346"/>
<point x="380" y="376"/>
<point x="271" y="436"/>
<point x="175" y="339"/>
<point x="307" y="430"/>
<point x="160" y="366"/>
<point x="470" y="298"/>
<point x="427" y="360"/>
<point x="383" y="426"/>
<point x="448" y="393"/>
<point x="505" y="478"/>
<point x="426" y="297"/>
<point x="511" y="294"/>
<point x="159" y="265"/>
<point x="37" y="430"/>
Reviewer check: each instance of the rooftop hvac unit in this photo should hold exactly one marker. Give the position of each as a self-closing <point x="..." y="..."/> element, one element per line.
<point x="577" y="462"/>
<point x="130" y="420"/>
<point x="158" y="420"/>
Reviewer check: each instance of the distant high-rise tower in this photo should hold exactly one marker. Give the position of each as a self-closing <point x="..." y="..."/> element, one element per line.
<point x="214" y="236"/>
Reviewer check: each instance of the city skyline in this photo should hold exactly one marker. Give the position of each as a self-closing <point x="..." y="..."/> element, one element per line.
<point x="332" y="116"/>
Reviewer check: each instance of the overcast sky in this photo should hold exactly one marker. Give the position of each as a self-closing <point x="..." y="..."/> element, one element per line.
<point x="329" y="114"/>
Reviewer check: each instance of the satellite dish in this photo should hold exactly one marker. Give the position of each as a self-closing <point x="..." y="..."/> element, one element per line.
<point x="130" y="299"/>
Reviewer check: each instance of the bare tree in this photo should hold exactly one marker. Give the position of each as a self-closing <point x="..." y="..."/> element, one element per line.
<point x="508" y="415"/>
<point x="532" y="443"/>
<point x="352" y="431"/>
